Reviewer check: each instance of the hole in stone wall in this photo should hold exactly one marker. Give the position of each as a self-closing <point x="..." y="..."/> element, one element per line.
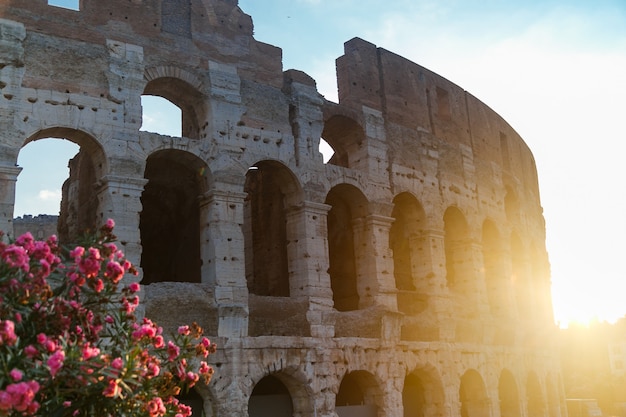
<point x="326" y="150"/>
<point x="54" y="190"/>
<point x="170" y="219"/>
<point x="160" y="116"/>
<point x="265" y="226"/>
<point x="66" y="4"/>
<point x="270" y="397"/>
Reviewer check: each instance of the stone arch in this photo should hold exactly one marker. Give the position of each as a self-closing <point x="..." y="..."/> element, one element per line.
<point x="184" y="90"/>
<point x="169" y="222"/>
<point x="359" y="394"/>
<point x="508" y="395"/>
<point x="456" y="242"/>
<point x="406" y="243"/>
<point x="79" y="205"/>
<point x="272" y="191"/>
<point x="495" y="271"/>
<point x="536" y="406"/>
<point x="348" y="207"/>
<point x="345" y="136"/>
<point x="280" y="394"/>
<point x="473" y="395"/>
<point x="423" y="394"/>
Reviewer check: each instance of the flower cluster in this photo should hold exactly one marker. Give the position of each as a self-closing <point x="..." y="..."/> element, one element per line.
<point x="71" y="343"/>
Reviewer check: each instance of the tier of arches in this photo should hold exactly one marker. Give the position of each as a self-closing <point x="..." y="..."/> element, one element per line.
<point x="421" y="392"/>
<point x="174" y="204"/>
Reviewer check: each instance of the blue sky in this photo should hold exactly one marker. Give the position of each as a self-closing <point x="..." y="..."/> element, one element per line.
<point x="554" y="69"/>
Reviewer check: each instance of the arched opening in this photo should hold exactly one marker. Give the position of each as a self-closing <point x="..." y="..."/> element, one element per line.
<point x="405" y="243"/>
<point x="473" y="395"/>
<point x="194" y="400"/>
<point x="169" y="223"/>
<point x="345" y="137"/>
<point x="358" y="395"/>
<point x="456" y="247"/>
<point x="161" y="116"/>
<point x="326" y="150"/>
<point x="187" y="98"/>
<point x="536" y="406"/>
<point x="60" y="194"/>
<point x="496" y="282"/>
<point x="270" y="398"/>
<point x="272" y="190"/>
<point x="422" y="395"/>
<point x="413" y="397"/>
<point x="508" y="395"/>
<point x="347" y="206"/>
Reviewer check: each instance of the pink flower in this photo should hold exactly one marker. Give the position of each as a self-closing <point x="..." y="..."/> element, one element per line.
<point x="55" y="362"/>
<point x="90" y="352"/>
<point x="112" y="390"/>
<point x="7" y="333"/>
<point x="158" y="342"/>
<point x="16" y="257"/>
<point x="134" y="287"/>
<point x="114" y="271"/>
<point x="16" y="375"/>
<point x="30" y="351"/>
<point x="117" y="363"/>
<point x="155" y="407"/>
<point x="26" y="241"/>
<point x="183" y="330"/>
<point x="20" y="397"/>
<point x="110" y="224"/>
<point x="172" y="350"/>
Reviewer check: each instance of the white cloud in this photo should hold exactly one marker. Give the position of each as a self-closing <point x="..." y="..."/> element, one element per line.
<point x="47" y="195"/>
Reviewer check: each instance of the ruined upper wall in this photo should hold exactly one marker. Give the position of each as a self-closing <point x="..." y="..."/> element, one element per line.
<point x="419" y="105"/>
<point x="183" y="32"/>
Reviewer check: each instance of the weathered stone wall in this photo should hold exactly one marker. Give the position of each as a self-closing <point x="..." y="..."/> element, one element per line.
<point x="407" y="276"/>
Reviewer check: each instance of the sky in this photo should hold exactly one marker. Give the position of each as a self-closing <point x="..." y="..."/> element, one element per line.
<point x="554" y="69"/>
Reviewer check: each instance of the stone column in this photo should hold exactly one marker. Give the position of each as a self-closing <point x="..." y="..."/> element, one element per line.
<point x="8" y="179"/>
<point x="374" y="259"/>
<point x="119" y="198"/>
<point x="307" y="252"/>
<point x="222" y="248"/>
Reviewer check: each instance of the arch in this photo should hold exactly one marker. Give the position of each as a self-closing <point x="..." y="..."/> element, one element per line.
<point x="78" y="211"/>
<point x="473" y="395"/>
<point x="270" y="397"/>
<point x="346" y="137"/>
<point x="456" y="240"/>
<point x="184" y="90"/>
<point x="534" y="397"/>
<point x="169" y="223"/>
<point x="359" y="394"/>
<point x="508" y="395"/>
<point x="272" y="190"/>
<point x="348" y="204"/>
<point x="423" y="394"/>
<point x="404" y="241"/>
<point x="495" y="278"/>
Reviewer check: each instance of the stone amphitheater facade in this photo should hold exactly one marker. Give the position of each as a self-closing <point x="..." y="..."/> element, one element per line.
<point x="408" y="276"/>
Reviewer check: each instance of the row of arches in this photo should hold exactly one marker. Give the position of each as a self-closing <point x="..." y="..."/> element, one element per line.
<point x="172" y="227"/>
<point x="422" y="393"/>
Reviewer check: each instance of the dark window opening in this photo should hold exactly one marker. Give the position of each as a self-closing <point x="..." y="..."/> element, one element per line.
<point x="270" y="398"/>
<point x="170" y="220"/>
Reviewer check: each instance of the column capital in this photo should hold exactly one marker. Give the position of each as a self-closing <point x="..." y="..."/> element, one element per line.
<point x="10" y="172"/>
<point x="130" y="183"/>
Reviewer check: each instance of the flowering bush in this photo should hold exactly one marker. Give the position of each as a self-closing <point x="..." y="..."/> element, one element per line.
<point x="71" y="344"/>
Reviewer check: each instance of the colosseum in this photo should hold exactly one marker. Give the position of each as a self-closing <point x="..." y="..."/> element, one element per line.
<point x="407" y="276"/>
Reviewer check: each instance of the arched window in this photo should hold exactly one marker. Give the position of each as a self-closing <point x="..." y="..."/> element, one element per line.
<point x="508" y="395"/>
<point x="270" y="397"/>
<point x="271" y="189"/>
<point x="347" y="205"/>
<point x="473" y="395"/>
<point x="358" y="395"/>
<point x="170" y="220"/>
